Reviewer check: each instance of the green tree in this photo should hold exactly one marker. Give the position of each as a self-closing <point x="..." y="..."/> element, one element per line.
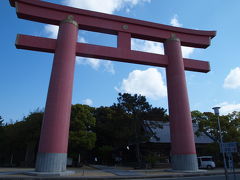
<point x="135" y="106"/>
<point x="1" y="129"/>
<point x="157" y="114"/>
<point x="81" y="136"/>
<point x="105" y="154"/>
<point x="113" y="127"/>
<point x="2" y="139"/>
<point x="122" y="124"/>
<point x="32" y="128"/>
<point x="22" y="140"/>
<point x="1" y="121"/>
<point x="208" y="124"/>
<point x="232" y="124"/>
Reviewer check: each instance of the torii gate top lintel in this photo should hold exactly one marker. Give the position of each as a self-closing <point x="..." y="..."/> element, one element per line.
<point x="112" y="24"/>
<point x="124" y="28"/>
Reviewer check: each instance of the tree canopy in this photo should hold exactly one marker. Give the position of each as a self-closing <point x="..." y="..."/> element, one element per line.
<point x="81" y="135"/>
<point x="230" y="125"/>
<point x="99" y="131"/>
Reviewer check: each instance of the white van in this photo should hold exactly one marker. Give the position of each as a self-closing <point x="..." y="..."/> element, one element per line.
<point x="206" y="162"/>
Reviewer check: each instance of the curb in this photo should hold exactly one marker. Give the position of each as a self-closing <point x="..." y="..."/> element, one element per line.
<point x="112" y="177"/>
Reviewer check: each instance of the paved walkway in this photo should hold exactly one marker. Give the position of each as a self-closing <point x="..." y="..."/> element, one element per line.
<point x="118" y="171"/>
<point x="107" y="172"/>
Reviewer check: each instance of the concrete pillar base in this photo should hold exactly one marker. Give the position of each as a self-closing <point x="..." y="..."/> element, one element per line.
<point x="51" y="162"/>
<point x="184" y="162"/>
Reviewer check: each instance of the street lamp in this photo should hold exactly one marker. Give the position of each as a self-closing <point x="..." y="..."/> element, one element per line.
<point x="216" y="112"/>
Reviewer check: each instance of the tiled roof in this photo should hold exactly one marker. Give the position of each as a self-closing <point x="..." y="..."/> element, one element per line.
<point x="162" y="135"/>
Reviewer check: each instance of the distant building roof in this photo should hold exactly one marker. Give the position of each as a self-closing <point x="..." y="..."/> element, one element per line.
<point x="162" y="135"/>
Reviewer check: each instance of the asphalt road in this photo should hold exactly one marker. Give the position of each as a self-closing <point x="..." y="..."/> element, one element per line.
<point x="217" y="177"/>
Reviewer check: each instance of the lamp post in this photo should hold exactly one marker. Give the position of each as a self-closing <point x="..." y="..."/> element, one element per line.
<point x="216" y="112"/>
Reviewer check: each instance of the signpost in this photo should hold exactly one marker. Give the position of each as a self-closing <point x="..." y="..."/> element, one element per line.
<point x="229" y="148"/>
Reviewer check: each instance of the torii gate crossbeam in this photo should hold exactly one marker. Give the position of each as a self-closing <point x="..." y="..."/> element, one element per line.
<point x="52" y="151"/>
<point x="109" y="53"/>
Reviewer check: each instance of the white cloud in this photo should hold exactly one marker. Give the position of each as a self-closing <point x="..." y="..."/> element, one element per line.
<point x="187" y="51"/>
<point x="88" y="102"/>
<point x="105" y="6"/>
<point x="96" y="64"/>
<point x="51" y="31"/>
<point x="108" y="65"/>
<point x="148" y="83"/>
<point x="147" y="46"/>
<point x="232" y="81"/>
<point x="155" y="47"/>
<point x="81" y="39"/>
<point x="174" y="21"/>
<point x="135" y="2"/>
<point x="127" y="10"/>
<point x="228" y="108"/>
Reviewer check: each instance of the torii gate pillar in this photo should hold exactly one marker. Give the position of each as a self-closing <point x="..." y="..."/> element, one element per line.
<point x="183" y="153"/>
<point x="52" y="152"/>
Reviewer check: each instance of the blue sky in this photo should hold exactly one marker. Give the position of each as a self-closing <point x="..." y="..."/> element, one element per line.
<point x="24" y="75"/>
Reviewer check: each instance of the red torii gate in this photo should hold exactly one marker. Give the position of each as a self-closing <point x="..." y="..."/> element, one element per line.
<point x="52" y="153"/>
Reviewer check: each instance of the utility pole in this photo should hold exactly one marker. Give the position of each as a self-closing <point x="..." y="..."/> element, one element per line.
<point x="216" y="112"/>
